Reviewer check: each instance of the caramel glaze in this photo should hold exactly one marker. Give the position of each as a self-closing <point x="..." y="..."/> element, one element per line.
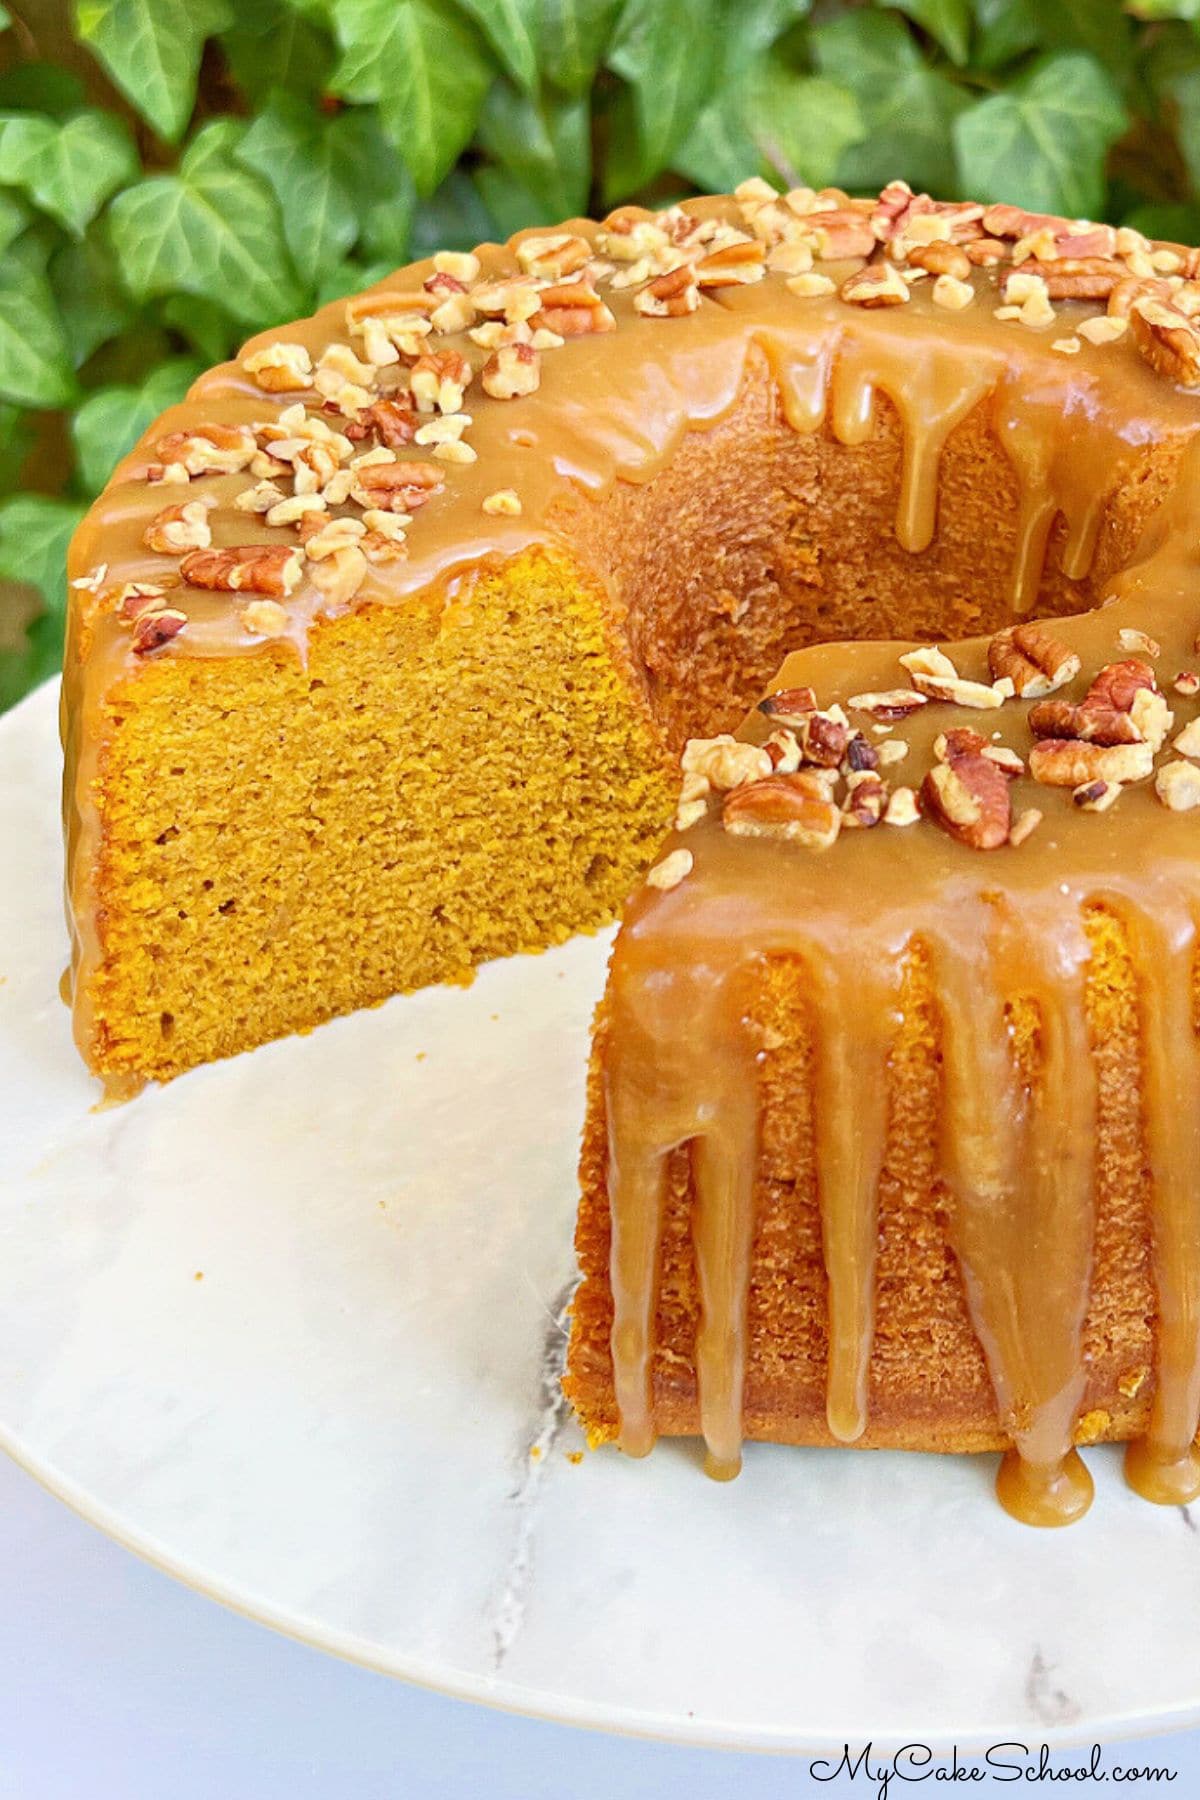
<point x="1017" y="1163"/>
<point x="998" y="927"/>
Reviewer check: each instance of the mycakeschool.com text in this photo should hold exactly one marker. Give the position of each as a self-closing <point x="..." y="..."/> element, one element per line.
<point x="887" y="1774"/>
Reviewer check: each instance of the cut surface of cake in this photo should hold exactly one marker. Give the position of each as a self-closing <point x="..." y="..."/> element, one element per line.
<point x="383" y="649"/>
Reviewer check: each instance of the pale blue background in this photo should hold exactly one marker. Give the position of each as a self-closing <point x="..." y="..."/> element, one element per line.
<point x="118" y="1684"/>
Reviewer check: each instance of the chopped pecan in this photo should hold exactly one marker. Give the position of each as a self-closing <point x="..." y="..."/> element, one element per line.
<point x="784" y="751"/>
<point x="397" y="486"/>
<point x="1177" y="785"/>
<point x="393" y="423"/>
<point x="438" y="381"/>
<point x="879" y="284"/>
<point x="969" y="798"/>
<point x="1097" y="796"/>
<point x="1024" y="825"/>
<point x="668" y="873"/>
<point x="572" y="309"/>
<point x="1132" y="641"/>
<point x="280" y="368"/>
<point x="504" y="503"/>
<point x="1033" y="659"/>
<point x="941" y="258"/>
<point x="179" y="528"/>
<point x="512" y="371"/>
<point x="1118" y="684"/>
<point x="1167" y="339"/>
<point x="732" y="264"/>
<point x="669" y="296"/>
<point x="265" y="618"/>
<point x="1090" y="723"/>
<point x="156" y="626"/>
<point x="272" y="569"/>
<point x="1083" y="277"/>
<point x="935" y="676"/>
<point x="1187" y="683"/>
<point x="889" y="703"/>
<point x="822" y="739"/>
<point x="794" y="807"/>
<point x="724" y="761"/>
<point x="206" y="450"/>
<point x="787" y="706"/>
<point x="866" y="800"/>
<point x="902" y="807"/>
<point x="562" y="254"/>
<point x="1068" y="762"/>
<point x="985" y="252"/>
<point x="840" y="234"/>
<point x="134" y="598"/>
<point x="860" y="755"/>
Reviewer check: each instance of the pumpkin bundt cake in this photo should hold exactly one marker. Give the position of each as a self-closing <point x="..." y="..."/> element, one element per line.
<point x="384" y="646"/>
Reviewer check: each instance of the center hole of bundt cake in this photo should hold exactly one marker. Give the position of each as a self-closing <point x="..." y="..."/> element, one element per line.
<point x="757" y="540"/>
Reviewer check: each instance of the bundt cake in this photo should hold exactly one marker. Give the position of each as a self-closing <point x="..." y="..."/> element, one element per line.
<point x="383" y="649"/>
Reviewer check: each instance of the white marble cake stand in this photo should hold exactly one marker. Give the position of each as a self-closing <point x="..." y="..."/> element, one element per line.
<point x="350" y="1428"/>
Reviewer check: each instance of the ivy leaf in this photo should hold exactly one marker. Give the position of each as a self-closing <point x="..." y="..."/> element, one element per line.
<point x="455" y="218"/>
<point x="16" y="440"/>
<point x="41" y="87"/>
<point x="1004" y="29"/>
<point x="1043" y="142"/>
<point x="68" y="169"/>
<point x="111" y="420"/>
<point x="14" y="217"/>
<point x="350" y="277"/>
<point x="1181" y="86"/>
<point x="93" y="305"/>
<point x="35" y="359"/>
<point x="271" y="44"/>
<point x="510" y="27"/>
<point x="206" y="326"/>
<point x="151" y="49"/>
<point x="369" y="166"/>
<point x="293" y="150"/>
<point x="34" y="533"/>
<point x="213" y="230"/>
<point x="666" y="54"/>
<point x="794" y="127"/>
<point x="544" y="143"/>
<point x="908" y="108"/>
<point x="426" y="67"/>
<point x="948" y="23"/>
<point x="5" y="18"/>
<point x="575" y="35"/>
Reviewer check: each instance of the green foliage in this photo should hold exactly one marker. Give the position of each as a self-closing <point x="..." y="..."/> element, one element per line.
<point x="190" y="171"/>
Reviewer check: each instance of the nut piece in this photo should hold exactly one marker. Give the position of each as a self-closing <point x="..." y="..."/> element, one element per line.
<point x="179" y="528"/>
<point x="865" y="800"/>
<point x="265" y="618"/>
<point x="1132" y="642"/>
<point x="902" y="808"/>
<point x="1097" y="796"/>
<point x="724" y="761"/>
<point x="1067" y="762"/>
<point x="1177" y="785"/>
<point x="1167" y="339"/>
<point x="572" y="309"/>
<point x="271" y="569"/>
<point x="208" y="450"/>
<point x="879" y="284"/>
<point x="669" y="296"/>
<point x="504" y="503"/>
<point x="789" y="706"/>
<point x="512" y="371"/>
<point x="281" y="368"/>
<point x="793" y="807"/>
<point x="1188" y="740"/>
<point x="668" y="873"/>
<point x="1033" y="659"/>
<point x="1024" y="825"/>
<point x="156" y="626"/>
<point x="891" y="703"/>
<point x="969" y="798"/>
<point x="935" y="676"/>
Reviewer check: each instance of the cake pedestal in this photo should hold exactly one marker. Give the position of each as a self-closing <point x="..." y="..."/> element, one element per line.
<point x="291" y="1329"/>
